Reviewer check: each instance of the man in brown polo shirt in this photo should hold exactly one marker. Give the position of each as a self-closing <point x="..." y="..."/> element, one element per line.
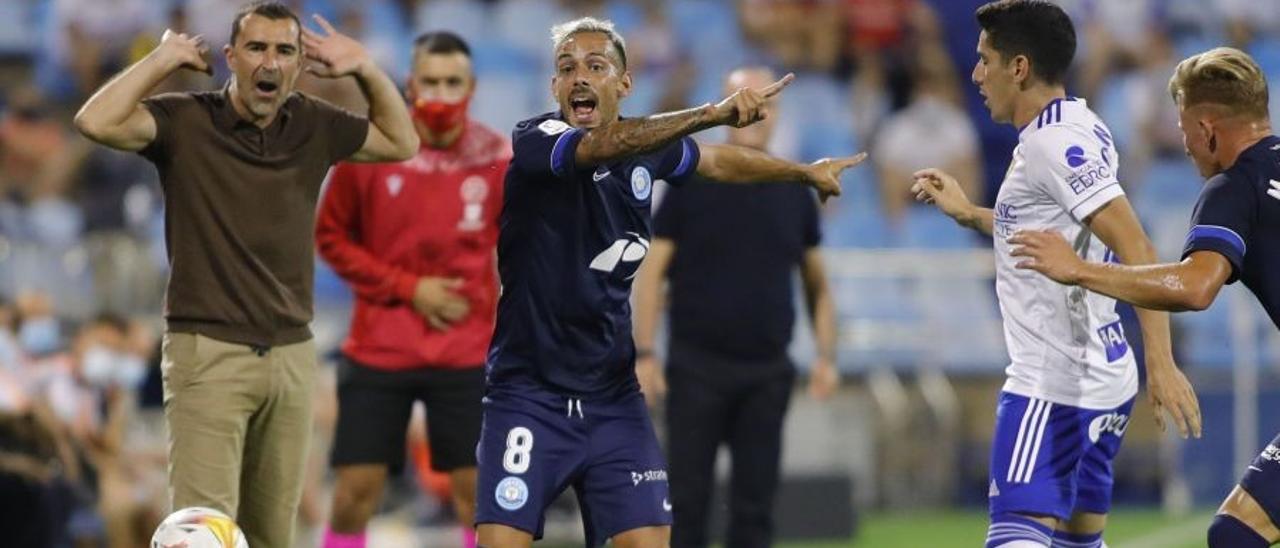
<point x="241" y="170"/>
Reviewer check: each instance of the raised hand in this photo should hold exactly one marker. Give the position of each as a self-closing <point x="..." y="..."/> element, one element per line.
<point x="1047" y="253"/>
<point x="333" y="54"/>
<point x="824" y="174"/>
<point x="933" y="186"/>
<point x="184" y="51"/>
<point x="747" y="106"/>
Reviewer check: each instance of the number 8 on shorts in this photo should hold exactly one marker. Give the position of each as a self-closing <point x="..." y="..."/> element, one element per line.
<point x="519" y="444"/>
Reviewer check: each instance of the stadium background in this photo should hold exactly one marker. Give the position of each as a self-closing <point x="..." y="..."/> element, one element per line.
<point x="899" y="457"/>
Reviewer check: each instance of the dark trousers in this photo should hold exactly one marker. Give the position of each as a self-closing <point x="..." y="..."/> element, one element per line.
<point x="708" y="403"/>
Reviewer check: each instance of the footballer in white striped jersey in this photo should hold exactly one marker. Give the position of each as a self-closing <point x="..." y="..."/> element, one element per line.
<point x="1072" y="377"/>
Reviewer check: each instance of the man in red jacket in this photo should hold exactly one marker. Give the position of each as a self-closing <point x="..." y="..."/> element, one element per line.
<point x="416" y="242"/>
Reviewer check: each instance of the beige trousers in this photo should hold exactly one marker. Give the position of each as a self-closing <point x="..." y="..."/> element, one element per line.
<point x="239" y="424"/>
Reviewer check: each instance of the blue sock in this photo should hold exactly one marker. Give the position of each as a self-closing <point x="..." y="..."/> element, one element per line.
<point x="1007" y="528"/>
<point x="1063" y="539"/>
<point x="1229" y="532"/>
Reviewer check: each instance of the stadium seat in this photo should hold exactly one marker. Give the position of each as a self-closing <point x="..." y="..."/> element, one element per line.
<point x="1114" y="106"/>
<point x="526" y="24"/>
<point x="709" y="28"/>
<point x="850" y="223"/>
<point x="17" y="33"/>
<point x="504" y="98"/>
<point x="626" y="15"/>
<point x="467" y="18"/>
<point x="499" y="56"/>
<point x="926" y="228"/>
<point x="1203" y="338"/>
<point x="1163" y="198"/>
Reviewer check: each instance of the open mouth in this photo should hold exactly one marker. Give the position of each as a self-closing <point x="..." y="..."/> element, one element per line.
<point x="583" y="107"/>
<point x="266" y="88"/>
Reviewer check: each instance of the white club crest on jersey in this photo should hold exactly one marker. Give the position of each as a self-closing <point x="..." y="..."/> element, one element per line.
<point x="641" y="182"/>
<point x="394" y="184"/>
<point x="473" y="192"/>
<point x="553" y="127"/>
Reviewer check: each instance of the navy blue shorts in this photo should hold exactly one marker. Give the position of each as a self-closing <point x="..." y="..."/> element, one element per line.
<point x="1054" y="460"/>
<point x="1262" y="480"/>
<point x="535" y="444"/>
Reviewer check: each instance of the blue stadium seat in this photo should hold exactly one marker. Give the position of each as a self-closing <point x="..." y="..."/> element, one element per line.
<point x="330" y="289"/>
<point x="1204" y="338"/>
<point x="1113" y="106"/>
<point x="964" y="318"/>
<point x="526" y="24"/>
<point x="18" y="34"/>
<point x="467" y="18"/>
<point x="709" y="28"/>
<point x="499" y="56"/>
<point x="1164" y="197"/>
<point x="626" y="15"/>
<point x="504" y="98"/>
<point x="927" y="228"/>
<point x="849" y="223"/>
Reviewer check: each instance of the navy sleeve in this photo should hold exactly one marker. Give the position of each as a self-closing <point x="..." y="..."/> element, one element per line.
<point x="1223" y="221"/>
<point x="545" y="148"/>
<point x="666" y="220"/>
<point x="812" y="219"/>
<point x="678" y="161"/>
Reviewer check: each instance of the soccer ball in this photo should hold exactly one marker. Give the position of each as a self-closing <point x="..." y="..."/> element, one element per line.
<point x="198" y="527"/>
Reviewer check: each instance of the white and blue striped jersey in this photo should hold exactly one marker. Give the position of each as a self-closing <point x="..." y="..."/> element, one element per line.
<point x="1066" y="344"/>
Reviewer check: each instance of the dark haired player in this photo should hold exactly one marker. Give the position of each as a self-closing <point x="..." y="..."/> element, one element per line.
<point x="562" y="406"/>
<point x="1072" y="379"/>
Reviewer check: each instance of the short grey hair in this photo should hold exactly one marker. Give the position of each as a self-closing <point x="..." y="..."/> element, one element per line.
<point x="562" y="32"/>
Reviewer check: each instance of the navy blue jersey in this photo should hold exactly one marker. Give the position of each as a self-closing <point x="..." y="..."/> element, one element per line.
<point x="571" y="241"/>
<point x="1238" y="216"/>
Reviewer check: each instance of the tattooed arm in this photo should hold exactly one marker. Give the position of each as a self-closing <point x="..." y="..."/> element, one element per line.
<point x="640" y="135"/>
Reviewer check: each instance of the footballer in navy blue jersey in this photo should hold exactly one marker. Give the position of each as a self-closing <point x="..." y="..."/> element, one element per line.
<point x="1235" y="235"/>
<point x="562" y="406"/>
<point x="571" y="240"/>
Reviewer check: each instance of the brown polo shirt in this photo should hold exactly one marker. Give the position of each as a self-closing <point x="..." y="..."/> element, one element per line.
<point x="240" y="208"/>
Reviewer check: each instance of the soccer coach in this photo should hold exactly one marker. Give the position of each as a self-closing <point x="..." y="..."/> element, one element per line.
<point x="241" y="170"/>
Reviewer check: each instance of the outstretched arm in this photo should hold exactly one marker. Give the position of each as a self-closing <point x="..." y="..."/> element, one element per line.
<point x="114" y="115"/>
<point x="647" y="134"/>
<point x="735" y="164"/>
<point x="936" y="187"/>
<point x="1191" y="284"/>
<point x="391" y="134"/>
<point x="1117" y="226"/>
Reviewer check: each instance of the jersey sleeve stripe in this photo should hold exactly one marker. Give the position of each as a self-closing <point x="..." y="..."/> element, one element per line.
<point x="559" y="150"/>
<point x="686" y="157"/>
<point x="1221" y="233"/>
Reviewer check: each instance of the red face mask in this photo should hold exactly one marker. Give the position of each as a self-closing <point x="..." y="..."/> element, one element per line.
<point x="439" y="116"/>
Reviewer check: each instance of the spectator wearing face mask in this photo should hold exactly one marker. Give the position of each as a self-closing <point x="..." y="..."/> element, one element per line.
<point x="38" y="331"/>
<point x="91" y="390"/>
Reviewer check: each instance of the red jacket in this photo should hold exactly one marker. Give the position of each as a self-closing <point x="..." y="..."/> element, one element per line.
<point x="382" y="226"/>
